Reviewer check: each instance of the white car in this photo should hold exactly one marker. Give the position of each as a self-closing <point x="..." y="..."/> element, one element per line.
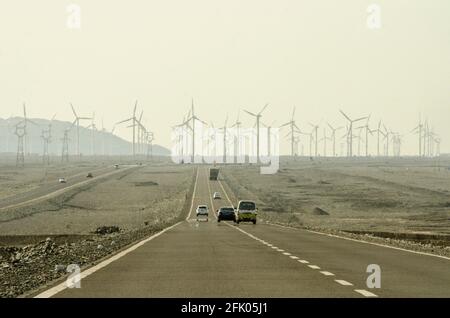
<point x="216" y="195"/>
<point x="202" y="212"/>
<point x="62" y="180"/>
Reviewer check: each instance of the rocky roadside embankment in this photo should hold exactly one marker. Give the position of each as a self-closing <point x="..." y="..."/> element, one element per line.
<point x="23" y="269"/>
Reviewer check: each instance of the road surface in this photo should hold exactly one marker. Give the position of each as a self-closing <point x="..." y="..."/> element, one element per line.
<point x="210" y="259"/>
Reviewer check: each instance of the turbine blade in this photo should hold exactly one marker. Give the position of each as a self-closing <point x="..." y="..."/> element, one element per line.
<point x="123" y="121"/>
<point x="265" y="106"/>
<point x="250" y="113"/>
<point x="345" y="115"/>
<point x="73" y="110"/>
<point x="359" y="119"/>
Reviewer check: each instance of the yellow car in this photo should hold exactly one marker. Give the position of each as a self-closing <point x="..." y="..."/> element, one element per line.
<point x="246" y="211"/>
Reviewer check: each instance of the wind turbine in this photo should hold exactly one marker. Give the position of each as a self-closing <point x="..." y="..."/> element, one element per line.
<point x="103" y="139"/>
<point x="237" y="143"/>
<point x="293" y="127"/>
<point x="324" y="139"/>
<point x="387" y="134"/>
<point x="258" y="117"/>
<point x="419" y="130"/>
<point x="193" y="118"/>
<point x="25" y="121"/>
<point x="333" y="137"/>
<point x="315" y="130"/>
<point x="359" y="139"/>
<point x="367" y="132"/>
<point x="182" y="136"/>
<point x="93" y="130"/>
<point x="350" y="132"/>
<point x="269" y="136"/>
<point x="149" y="138"/>
<point x="77" y="122"/>
<point x="311" y="137"/>
<point x="225" y="140"/>
<point x="133" y="125"/>
<point x="379" y="131"/>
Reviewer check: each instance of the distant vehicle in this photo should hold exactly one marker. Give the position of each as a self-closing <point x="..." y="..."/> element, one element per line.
<point x="202" y="212"/>
<point x="246" y="211"/>
<point x="225" y="213"/>
<point x="116" y="166"/>
<point x="213" y="173"/>
<point x="216" y="195"/>
<point x="62" y="180"/>
<point x="89" y="175"/>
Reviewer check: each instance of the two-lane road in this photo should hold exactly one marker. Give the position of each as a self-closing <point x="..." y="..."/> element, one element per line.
<point x="210" y="259"/>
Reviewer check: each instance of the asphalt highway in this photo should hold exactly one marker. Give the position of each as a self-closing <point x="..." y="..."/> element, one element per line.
<point x="210" y="259"/>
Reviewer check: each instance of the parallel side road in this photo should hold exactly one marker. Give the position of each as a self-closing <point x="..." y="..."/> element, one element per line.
<point x="210" y="259"/>
<point x="47" y="190"/>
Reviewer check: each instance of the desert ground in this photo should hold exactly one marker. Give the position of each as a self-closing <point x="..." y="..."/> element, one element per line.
<point x="395" y="197"/>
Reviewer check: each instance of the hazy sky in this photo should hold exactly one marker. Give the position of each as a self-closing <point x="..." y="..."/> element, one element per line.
<point x="229" y="54"/>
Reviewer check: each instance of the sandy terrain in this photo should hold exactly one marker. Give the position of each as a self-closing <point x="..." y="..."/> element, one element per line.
<point x="394" y="196"/>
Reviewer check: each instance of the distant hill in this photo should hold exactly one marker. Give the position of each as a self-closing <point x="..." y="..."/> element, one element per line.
<point x="104" y="142"/>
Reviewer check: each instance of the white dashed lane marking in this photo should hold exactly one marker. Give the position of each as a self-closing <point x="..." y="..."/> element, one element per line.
<point x="343" y="282"/>
<point x="325" y="273"/>
<point x="314" y="266"/>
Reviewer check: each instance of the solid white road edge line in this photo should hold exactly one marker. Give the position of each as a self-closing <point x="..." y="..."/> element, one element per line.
<point x="58" y="288"/>
<point x="359" y="241"/>
<point x="193" y="195"/>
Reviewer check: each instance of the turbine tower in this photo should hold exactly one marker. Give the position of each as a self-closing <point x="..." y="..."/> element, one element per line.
<point x="237" y="143"/>
<point x="315" y="130"/>
<point x="93" y="129"/>
<point x="224" y="128"/>
<point x="333" y="137"/>
<point x="25" y="120"/>
<point x="419" y="130"/>
<point x="193" y="118"/>
<point x="294" y="128"/>
<point x="350" y="132"/>
<point x="258" y="117"/>
<point x="77" y="122"/>
<point x="133" y="125"/>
